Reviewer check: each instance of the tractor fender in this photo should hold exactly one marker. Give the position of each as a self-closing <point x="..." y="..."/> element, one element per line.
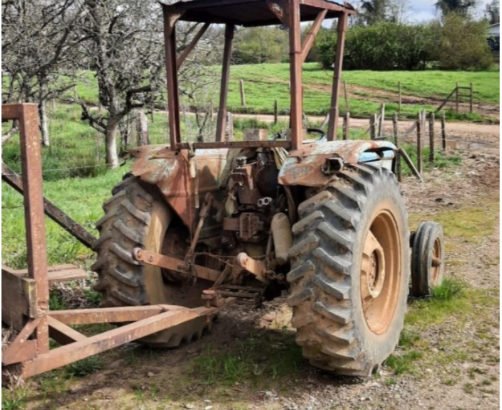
<point x="304" y="166"/>
<point x="182" y="177"/>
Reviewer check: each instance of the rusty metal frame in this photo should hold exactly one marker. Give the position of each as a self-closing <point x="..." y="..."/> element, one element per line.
<point x="340" y="47"/>
<point x="29" y="353"/>
<point x="286" y="12"/>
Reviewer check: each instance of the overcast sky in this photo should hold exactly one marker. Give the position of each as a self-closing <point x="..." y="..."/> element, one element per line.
<point x="418" y="11"/>
<point x="424" y="10"/>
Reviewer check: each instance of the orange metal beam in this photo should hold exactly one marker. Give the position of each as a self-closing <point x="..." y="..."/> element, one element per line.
<point x="72" y="352"/>
<point x="309" y="40"/>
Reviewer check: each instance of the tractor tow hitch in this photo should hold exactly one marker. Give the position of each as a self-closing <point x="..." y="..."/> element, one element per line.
<point x="178" y="265"/>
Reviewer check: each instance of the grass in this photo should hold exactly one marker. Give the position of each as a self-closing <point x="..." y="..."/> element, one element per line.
<point x="81" y="198"/>
<point x="84" y="367"/>
<point x="441" y="160"/>
<point x="450" y="299"/>
<point x="466" y="225"/>
<point x="258" y="361"/>
<point x="13" y="399"/>
<point x="265" y="83"/>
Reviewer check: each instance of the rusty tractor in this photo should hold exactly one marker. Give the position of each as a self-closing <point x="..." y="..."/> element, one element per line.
<point x="206" y="223"/>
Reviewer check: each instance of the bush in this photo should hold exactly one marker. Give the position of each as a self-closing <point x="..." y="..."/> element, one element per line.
<point x="456" y="43"/>
<point x="382" y="46"/>
<point x="261" y="45"/>
<point x="463" y="44"/>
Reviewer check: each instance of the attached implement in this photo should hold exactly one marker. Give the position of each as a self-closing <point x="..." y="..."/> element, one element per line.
<point x="195" y="226"/>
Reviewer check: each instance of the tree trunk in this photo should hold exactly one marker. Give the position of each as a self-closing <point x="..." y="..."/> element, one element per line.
<point x="44" y="123"/>
<point x="112" y="158"/>
<point x="142" y="128"/>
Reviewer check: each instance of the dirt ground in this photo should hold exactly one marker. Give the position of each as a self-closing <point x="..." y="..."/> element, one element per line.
<point x="249" y="360"/>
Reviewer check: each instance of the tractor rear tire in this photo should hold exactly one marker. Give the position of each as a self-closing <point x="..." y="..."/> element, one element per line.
<point x="350" y="271"/>
<point x="136" y="216"/>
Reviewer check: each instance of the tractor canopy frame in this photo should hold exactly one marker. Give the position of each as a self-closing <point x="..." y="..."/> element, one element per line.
<point x="253" y="13"/>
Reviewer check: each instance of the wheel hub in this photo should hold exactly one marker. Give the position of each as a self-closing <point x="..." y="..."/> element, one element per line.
<point x="373" y="268"/>
<point x="380" y="272"/>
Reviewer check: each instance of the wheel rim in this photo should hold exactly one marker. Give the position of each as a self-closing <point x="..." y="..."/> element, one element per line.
<point x="381" y="272"/>
<point x="436" y="262"/>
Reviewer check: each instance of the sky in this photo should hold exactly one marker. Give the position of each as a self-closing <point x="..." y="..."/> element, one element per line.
<point x="425" y="10"/>
<point x="419" y="11"/>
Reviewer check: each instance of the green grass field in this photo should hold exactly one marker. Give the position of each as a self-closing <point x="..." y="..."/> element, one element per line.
<point x="265" y="83"/>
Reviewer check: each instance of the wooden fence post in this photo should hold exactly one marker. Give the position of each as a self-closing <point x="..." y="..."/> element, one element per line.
<point x="443" y="130"/>
<point x="419" y="143"/>
<point x="373" y="126"/>
<point x="400" y="99"/>
<point x="457" y="98"/>
<point x="276" y="112"/>
<point x="243" y="93"/>
<point x="432" y="120"/>
<point x="346" y="122"/>
<point x="229" y="129"/>
<point x="398" y="165"/>
<point x="471" y="99"/>
<point x="347" y="107"/>
<point x="382" y="119"/>
<point x="395" y="128"/>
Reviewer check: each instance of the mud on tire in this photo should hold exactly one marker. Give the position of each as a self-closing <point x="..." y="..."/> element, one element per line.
<point x="350" y="271"/>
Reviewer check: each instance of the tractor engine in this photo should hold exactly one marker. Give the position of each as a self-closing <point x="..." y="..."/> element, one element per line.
<point x="253" y="198"/>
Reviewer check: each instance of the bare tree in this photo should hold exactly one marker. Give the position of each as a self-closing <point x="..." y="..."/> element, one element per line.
<point x="124" y="49"/>
<point x="38" y="41"/>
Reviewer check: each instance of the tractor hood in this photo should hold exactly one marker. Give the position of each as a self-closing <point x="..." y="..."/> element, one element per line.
<point x="304" y="166"/>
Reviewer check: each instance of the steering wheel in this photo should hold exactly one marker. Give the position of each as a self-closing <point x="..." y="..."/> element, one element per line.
<point x="321" y="133"/>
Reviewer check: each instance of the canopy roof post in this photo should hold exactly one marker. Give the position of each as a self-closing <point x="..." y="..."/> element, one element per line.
<point x="340" y="46"/>
<point x="173" y="105"/>
<point x="225" y="75"/>
<point x="295" y="64"/>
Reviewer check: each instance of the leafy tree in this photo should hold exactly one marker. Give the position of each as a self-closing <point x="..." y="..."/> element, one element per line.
<point x="260" y="45"/>
<point x="467" y="51"/>
<point x="373" y="11"/>
<point x="461" y="7"/>
<point x="382" y="46"/>
<point x="492" y="12"/>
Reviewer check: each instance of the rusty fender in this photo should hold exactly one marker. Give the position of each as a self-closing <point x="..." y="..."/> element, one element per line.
<point x="308" y="165"/>
<point x="182" y="178"/>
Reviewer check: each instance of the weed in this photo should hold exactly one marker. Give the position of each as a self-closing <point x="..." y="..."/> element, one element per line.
<point x="390" y="381"/>
<point x="84" y="367"/>
<point x="403" y="363"/>
<point x="468" y="388"/>
<point x="408" y="338"/>
<point x="56" y="301"/>
<point x="449" y="289"/>
<point x="92" y="297"/>
<point x="14" y="399"/>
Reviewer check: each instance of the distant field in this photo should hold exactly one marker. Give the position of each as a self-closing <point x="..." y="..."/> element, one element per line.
<point x="265" y="83"/>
